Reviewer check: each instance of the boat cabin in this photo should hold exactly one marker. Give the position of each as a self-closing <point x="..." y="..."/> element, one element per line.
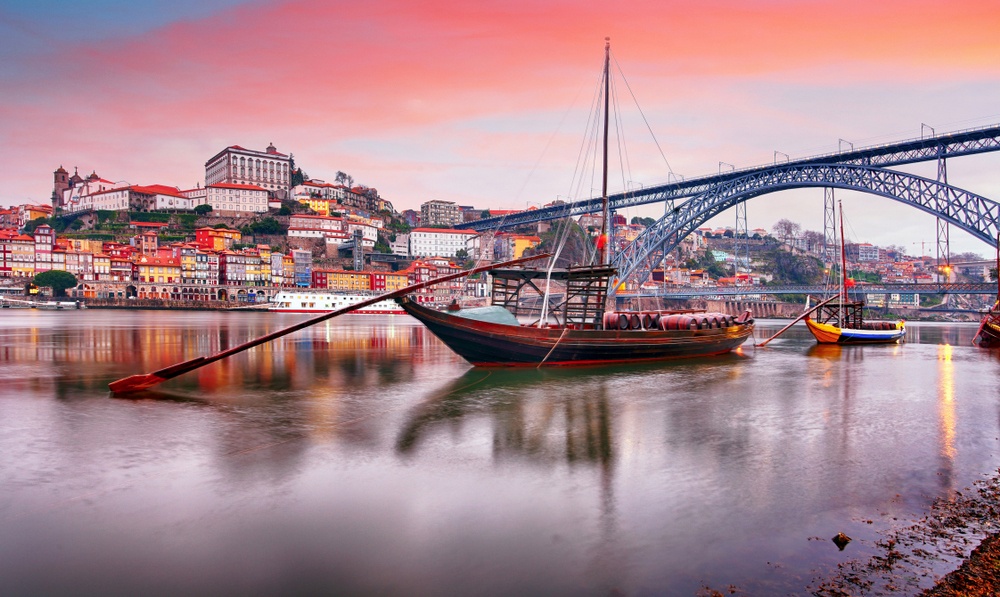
<point x="580" y="293"/>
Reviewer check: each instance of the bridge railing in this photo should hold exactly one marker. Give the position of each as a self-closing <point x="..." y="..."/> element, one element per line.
<point x="745" y="290"/>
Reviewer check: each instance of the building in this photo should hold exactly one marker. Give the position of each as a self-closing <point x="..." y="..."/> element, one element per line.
<point x="443" y="242"/>
<point x="231" y="198"/>
<point x="157" y="197"/>
<point x="309" y="226"/>
<point x="440" y="213"/>
<point x="216" y="239"/>
<point x="302" y="267"/>
<point x="159" y="270"/>
<point x="237" y="165"/>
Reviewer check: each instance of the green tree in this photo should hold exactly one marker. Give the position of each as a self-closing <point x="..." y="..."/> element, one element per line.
<point x="30" y="227"/>
<point x="202" y="209"/>
<point x="56" y="279"/>
<point x="266" y="226"/>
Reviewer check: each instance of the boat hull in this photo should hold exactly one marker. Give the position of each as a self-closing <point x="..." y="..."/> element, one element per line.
<point x="487" y="344"/>
<point x="831" y="334"/>
<point x="988" y="335"/>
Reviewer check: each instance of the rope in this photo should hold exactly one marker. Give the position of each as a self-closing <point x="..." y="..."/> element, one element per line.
<point x="565" y="329"/>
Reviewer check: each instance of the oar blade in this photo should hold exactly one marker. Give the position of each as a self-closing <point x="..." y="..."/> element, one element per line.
<point x="135" y="383"/>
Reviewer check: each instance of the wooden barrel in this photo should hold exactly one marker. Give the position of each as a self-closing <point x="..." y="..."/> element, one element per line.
<point x="634" y="322"/>
<point x="623" y="321"/>
<point x="611" y="320"/>
<point x="669" y="322"/>
<point x="647" y="321"/>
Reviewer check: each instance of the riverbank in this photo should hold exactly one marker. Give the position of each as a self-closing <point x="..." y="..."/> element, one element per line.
<point x="978" y="576"/>
<point x="904" y="558"/>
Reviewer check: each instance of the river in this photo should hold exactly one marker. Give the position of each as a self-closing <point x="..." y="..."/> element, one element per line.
<point x="361" y="456"/>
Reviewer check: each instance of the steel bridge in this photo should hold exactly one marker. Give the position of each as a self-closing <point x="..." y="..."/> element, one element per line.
<point x="866" y="170"/>
<point x="686" y="292"/>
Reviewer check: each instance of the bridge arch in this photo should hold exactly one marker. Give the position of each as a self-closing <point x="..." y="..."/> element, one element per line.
<point x="968" y="211"/>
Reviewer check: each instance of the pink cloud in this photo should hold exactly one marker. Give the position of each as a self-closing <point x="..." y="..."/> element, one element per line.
<point x="458" y="84"/>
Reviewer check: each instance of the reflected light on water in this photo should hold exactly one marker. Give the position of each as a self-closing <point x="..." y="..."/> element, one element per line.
<point x="946" y="394"/>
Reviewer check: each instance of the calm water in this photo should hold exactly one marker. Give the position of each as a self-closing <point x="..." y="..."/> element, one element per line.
<point x="361" y="456"/>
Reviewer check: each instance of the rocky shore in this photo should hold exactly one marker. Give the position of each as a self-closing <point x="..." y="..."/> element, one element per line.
<point x="961" y="529"/>
<point x="978" y="576"/>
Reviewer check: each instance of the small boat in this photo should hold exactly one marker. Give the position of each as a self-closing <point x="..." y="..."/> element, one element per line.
<point x="312" y="301"/>
<point x="584" y="331"/>
<point x="842" y="322"/>
<point x="988" y="335"/>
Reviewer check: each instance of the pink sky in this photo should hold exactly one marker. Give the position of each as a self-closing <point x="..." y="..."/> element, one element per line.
<point x="485" y="103"/>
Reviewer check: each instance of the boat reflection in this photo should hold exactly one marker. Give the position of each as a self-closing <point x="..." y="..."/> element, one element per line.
<point x="544" y="414"/>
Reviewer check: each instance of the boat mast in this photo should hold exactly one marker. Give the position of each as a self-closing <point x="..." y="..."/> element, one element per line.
<point x="843" y="265"/>
<point x="606" y="246"/>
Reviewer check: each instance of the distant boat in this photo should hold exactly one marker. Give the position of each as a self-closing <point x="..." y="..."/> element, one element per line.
<point x="584" y="332"/>
<point x="988" y="335"/>
<point x="319" y="301"/>
<point x="842" y="322"/>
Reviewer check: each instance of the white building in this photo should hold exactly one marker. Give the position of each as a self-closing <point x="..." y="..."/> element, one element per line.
<point x="235" y="198"/>
<point x="116" y="199"/>
<point x="443" y="242"/>
<point x="400" y="246"/>
<point x="267" y="169"/>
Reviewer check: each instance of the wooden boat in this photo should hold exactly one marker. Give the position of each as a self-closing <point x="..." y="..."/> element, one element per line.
<point x="584" y="332"/>
<point x="988" y="335"/>
<point x="842" y="322"/>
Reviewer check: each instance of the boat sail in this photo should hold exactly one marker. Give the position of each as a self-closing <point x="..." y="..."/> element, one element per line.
<point x="584" y="332"/>
<point x="988" y="334"/>
<point x="842" y="321"/>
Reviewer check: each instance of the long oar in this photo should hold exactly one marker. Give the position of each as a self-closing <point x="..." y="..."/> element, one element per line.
<point x="143" y="381"/>
<point x="797" y="319"/>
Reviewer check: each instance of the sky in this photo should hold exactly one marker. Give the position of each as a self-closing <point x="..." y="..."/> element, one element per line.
<point x="487" y="103"/>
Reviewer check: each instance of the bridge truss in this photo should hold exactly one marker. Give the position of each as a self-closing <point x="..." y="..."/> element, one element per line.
<point x="865" y="169"/>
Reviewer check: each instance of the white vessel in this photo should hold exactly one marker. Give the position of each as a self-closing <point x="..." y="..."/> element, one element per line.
<point x="318" y="301"/>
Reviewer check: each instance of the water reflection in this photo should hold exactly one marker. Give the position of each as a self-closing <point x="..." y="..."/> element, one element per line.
<point x="541" y="414"/>
<point x="366" y="450"/>
<point x="946" y="401"/>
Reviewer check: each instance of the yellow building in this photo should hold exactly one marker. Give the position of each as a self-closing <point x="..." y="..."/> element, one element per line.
<point x="320" y="205"/>
<point x="160" y="270"/>
<point x="521" y="243"/>
<point x="395" y="281"/>
<point x="102" y="266"/>
<point x="265" y="264"/>
<point x="348" y="281"/>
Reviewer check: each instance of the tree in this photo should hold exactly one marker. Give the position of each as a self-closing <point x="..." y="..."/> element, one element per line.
<point x="647" y="222"/>
<point x="462" y="254"/>
<point x="202" y="209"/>
<point x="814" y="240"/>
<point x="341" y="177"/>
<point x="56" y="279"/>
<point x="265" y="226"/>
<point x="786" y="230"/>
<point x="30" y="227"/>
